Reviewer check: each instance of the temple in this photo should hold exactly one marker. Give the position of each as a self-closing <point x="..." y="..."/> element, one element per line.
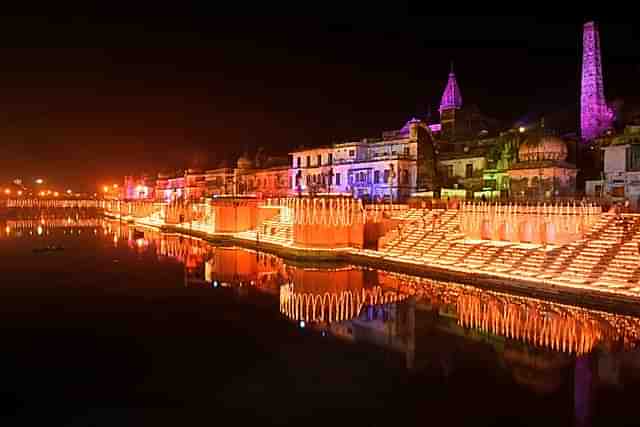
<point x="595" y="116"/>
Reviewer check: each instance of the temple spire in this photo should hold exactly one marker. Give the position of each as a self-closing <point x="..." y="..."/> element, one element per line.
<point x="451" y="98"/>
<point x="595" y="115"/>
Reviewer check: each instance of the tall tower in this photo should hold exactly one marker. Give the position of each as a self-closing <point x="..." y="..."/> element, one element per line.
<point x="450" y="102"/>
<point x="595" y="115"/>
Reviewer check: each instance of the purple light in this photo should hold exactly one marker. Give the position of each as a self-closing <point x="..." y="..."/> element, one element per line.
<point x="451" y="98"/>
<point x="595" y="116"/>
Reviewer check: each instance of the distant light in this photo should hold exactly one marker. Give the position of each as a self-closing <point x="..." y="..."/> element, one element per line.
<point x="7" y="229"/>
<point x="69" y="191"/>
<point x="324" y="333"/>
<point x="106" y="189"/>
<point x="42" y="193"/>
<point x="55" y="194"/>
<point x="215" y="283"/>
<point x="302" y="324"/>
<point x="39" y="230"/>
<point x="19" y="192"/>
<point x="522" y="129"/>
<point x="7" y="191"/>
<point x="39" y="181"/>
<point x="115" y="185"/>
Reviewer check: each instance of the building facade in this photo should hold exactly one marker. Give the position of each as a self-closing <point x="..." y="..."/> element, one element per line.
<point x="373" y="169"/>
<point x="622" y="166"/>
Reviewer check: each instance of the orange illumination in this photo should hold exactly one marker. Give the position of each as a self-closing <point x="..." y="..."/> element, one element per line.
<point x="19" y="192"/>
<point x="106" y="189"/>
<point x="7" y="191"/>
<point x="7" y="229"/>
<point x="42" y="193"/>
<point x="40" y="230"/>
<point x="55" y="194"/>
<point x="68" y="191"/>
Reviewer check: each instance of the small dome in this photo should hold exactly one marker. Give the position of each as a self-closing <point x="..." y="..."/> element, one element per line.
<point x="244" y="163"/>
<point x="547" y="148"/>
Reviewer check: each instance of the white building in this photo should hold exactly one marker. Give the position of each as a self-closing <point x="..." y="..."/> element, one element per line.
<point x="370" y="168"/>
<point x="622" y="166"/>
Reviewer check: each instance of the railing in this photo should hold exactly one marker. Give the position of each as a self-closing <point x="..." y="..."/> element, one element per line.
<point x="51" y="203"/>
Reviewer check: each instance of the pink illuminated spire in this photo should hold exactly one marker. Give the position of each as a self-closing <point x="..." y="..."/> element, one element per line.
<point x="451" y="98"/>
<point x="595" y="116"/>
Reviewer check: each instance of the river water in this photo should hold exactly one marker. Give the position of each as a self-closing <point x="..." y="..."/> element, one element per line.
<point x="124" y="326"/>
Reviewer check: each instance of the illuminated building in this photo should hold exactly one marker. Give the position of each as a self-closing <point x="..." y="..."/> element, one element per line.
<point x="138" y="188"/>
<point x="595" y="116"/>
<point x="373" y="168"/>
<point x="622" y="166"/>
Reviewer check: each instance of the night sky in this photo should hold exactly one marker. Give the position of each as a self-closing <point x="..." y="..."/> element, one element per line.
<point x="86" y="100"/>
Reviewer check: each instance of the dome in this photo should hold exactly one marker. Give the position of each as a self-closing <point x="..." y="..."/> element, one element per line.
<point x="244" y="163"/>
<point x="547" y="148"/>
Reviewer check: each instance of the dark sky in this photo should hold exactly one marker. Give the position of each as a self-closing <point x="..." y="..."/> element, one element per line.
<point x="85" y="100"/>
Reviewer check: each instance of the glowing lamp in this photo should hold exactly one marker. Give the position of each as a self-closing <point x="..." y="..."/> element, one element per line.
<point x="55" y="194"/>
<point x="19" y="192"/>
<point x="302" y="324"/>
<point x="215" y="283"/>
<point x="69" y="191"/>
<point x="7" y="191"/>
<point x="106" y="189"/>
<point x="39" y="181"/>
<point x="521" y="129"/>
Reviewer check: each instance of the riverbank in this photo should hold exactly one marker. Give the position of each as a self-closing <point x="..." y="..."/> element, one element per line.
<point x="563" y="293"/>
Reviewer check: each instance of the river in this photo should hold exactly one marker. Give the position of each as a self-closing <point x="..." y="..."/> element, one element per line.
<point x="123" y="326"/>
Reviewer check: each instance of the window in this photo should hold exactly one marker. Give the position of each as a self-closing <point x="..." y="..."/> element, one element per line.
<point x="633" y="158"/>
<point x="308" y="161"/>
<point x="352" y="153"/>
<point x="449" y="171"/>
<point x="376" y="177"/>
<point x="319" y="159"/>
<point x="386" y="175"/>
<point x="405" y="177"/>
<point x="469" y="170"/>
<point x="338" y="179"/>
<point x="299" y="159"/>
<point x="330" y="158"/>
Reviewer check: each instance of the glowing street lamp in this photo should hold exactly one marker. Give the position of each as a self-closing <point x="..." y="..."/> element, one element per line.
<point x="55" y="194"/>
<point x="39" y="181"/>
<point x="521" y="129"/>
<point x="69" y="191"/>
<point x="19" y="192"/>
<point x="106" y="189"/>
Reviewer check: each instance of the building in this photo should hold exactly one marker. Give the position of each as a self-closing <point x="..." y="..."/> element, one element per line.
<point x="138" y="188"/>
<point x="371" y="168"/>
<point x="622" y="166"/>
<point x="542" y="171"/>
<point x="170" y="187"/>
<point x="595" y="115"/>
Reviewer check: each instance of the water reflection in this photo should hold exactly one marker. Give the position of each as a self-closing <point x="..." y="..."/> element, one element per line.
<point x="433" y="327"/>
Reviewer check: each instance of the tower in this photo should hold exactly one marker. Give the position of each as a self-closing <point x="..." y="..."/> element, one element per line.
<point x="595" y="115"/>
<point x="450" y="102"/>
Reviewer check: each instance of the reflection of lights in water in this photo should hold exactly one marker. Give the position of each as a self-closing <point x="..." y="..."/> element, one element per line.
<point x="324" y="333"/>
<point x="95" y="231"/>
<point x="141" y="242"/>
<point x="115" y="238"/>
<point x="302" y="324"/>
<point x="215" y="283"/>
<point x="39" y="230"/>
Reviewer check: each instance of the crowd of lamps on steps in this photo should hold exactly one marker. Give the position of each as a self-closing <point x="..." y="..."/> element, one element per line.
<point x="541" y="223"/>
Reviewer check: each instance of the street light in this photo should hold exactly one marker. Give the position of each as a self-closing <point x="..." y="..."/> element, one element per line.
<point x="39" y="181"/>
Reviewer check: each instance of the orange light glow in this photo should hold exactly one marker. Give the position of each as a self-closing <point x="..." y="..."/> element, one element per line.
<point x="106" y="189"/>
<point x="7" y="191"/>
<point x="42" y="193"/>
<point x="55" y="194"/>
<point x="19" y="192"/>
